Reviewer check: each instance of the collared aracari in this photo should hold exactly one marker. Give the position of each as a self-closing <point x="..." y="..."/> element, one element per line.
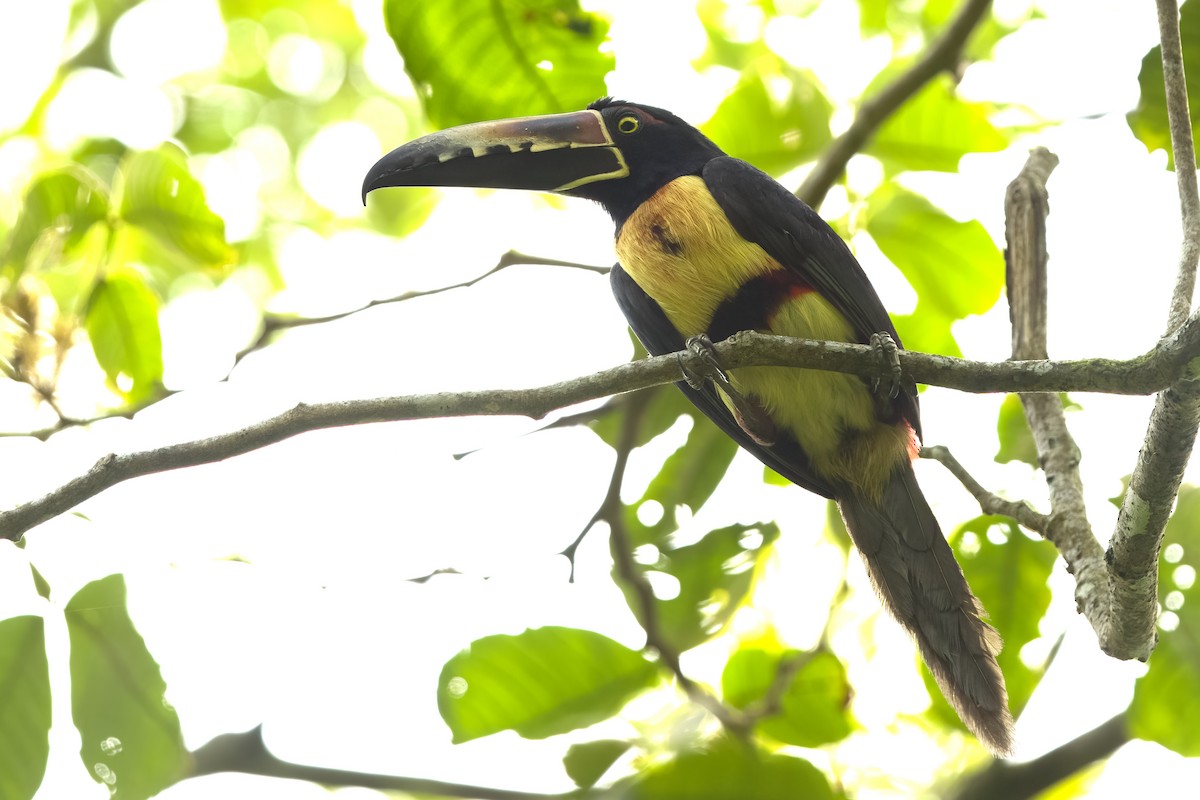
<point x="709" y="246"/>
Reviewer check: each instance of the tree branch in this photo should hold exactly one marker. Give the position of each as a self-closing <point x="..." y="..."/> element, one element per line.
<point x="1010" y="780"/>
<point x="273" y="324"/>
<point x="1026" y="205"/>
<point x="247" y="753"/>
<point x="942" y="55"/>
<point x="1171" y="432"/>
<point x="989" y="503"/>
<point x="1140" y="375"/>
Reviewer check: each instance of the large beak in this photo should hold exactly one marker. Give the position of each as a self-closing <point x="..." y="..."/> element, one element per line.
<point x="553" y="153"/>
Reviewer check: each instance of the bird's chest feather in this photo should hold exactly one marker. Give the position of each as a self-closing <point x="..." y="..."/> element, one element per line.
<point x="681" y="249"/>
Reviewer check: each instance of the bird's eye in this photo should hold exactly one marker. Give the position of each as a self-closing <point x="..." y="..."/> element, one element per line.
<point x="629" y="124"/>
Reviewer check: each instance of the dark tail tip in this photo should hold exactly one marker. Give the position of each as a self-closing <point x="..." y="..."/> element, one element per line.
<point x="915" y="574"/>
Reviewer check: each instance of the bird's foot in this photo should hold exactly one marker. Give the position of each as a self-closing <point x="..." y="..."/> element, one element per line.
<point x="704" y="366"/>
<point x="889" y="357"/>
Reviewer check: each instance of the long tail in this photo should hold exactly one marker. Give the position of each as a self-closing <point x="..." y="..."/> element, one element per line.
<point x="914" y="572"/>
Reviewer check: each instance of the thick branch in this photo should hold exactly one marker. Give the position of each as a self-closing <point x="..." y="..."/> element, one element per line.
<point x="247" y="753"/>
<point x="942" y="55"/>
<point x="1026" y="206"/>
<point x="1183" y="147"/>
<point x="1171" y="432"/>
<point x="1142" y="375"/>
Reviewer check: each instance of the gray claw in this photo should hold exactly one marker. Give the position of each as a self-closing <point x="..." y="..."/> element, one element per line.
<point x="889" y="356"/>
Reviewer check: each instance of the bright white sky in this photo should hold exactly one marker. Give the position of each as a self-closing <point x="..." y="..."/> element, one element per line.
<point x="324" y="606"/>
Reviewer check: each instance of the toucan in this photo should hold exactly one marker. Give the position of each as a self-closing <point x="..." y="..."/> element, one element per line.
<point x="707" y="246"/>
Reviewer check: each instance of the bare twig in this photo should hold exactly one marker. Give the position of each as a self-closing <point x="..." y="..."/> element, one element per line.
<point x="273" y="324"/>
<point x="247" y="753"/>
<point x="942" y="55"/>
<point x="626" y="570"/>
<point x="989" y="503"/>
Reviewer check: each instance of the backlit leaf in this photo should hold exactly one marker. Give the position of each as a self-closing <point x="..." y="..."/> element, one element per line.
<point x="1166" y="700"/>
<point x="712" y="576"/>
<point x="159" y="195"/>
<point x="59" y="209"/>
<point x="122" y="323"/>
<point x="477" y="59"/>
<point x="732" y="770"/>
<point x="130" y="734"/>
<point x="25" y="697"/>
<point x="934" y="129"/>
<point x="1148" y="120"/>
<point x="539" y="683"/>
<point x="812" y="709"/>
<point x="774" y="136"/>
<point x="586" y="763"/>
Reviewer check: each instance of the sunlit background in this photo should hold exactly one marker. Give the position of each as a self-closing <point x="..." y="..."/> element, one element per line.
<point x="271" y="588"/>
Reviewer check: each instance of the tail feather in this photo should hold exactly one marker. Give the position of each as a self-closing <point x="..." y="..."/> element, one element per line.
<point x="914" y="572"/>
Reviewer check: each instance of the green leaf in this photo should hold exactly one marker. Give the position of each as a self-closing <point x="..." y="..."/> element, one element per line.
<point x="539" y="683"/>
<point x="664" y="405"/>
<point x="60" y="207"/>
<point x="1166" y="700"/>
<point x="40" y="583"/>
<point x="729" y="770"/>
<point x="813" y="708"/>
<point x="774" y="136"/>
<point x="1016" y="440"/>
<point x="480" y="59"/>
<point x="1009" y="573"/>
<point x="122" y="323"/>
<point x="713" y="576"/>
<point x="1148" y="120"/>
<point x="955" y="267"/>
<point x="934" y="130"/>
<point x="936" y="15"/>
<point x="25" y="723"/>
<point x="688" y="477"/>
<point x="160" y="196"/>
<point x="131" y="737"/>
<point x="586" y="763"/>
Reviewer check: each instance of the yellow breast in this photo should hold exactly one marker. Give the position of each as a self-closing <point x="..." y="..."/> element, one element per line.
<point x="682" y="250"/>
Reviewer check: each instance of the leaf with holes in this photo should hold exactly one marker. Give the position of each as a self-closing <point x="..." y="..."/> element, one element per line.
<point x="707" y="582"/>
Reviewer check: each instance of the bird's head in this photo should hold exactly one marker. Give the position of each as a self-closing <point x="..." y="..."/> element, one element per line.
<point x="616" y="153"/>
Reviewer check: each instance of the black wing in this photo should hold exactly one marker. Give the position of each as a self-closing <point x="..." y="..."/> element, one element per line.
<point x="659" y="336"/>
<point x="762" y="211"/>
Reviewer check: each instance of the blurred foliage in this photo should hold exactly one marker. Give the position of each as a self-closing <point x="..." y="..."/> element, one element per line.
<point x="25" y="688"/>
<point x="546" y="58"/>
<point x="1148" y="120"/>
<point x="108" y="234"/>
<point x="1166" y="701"/>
